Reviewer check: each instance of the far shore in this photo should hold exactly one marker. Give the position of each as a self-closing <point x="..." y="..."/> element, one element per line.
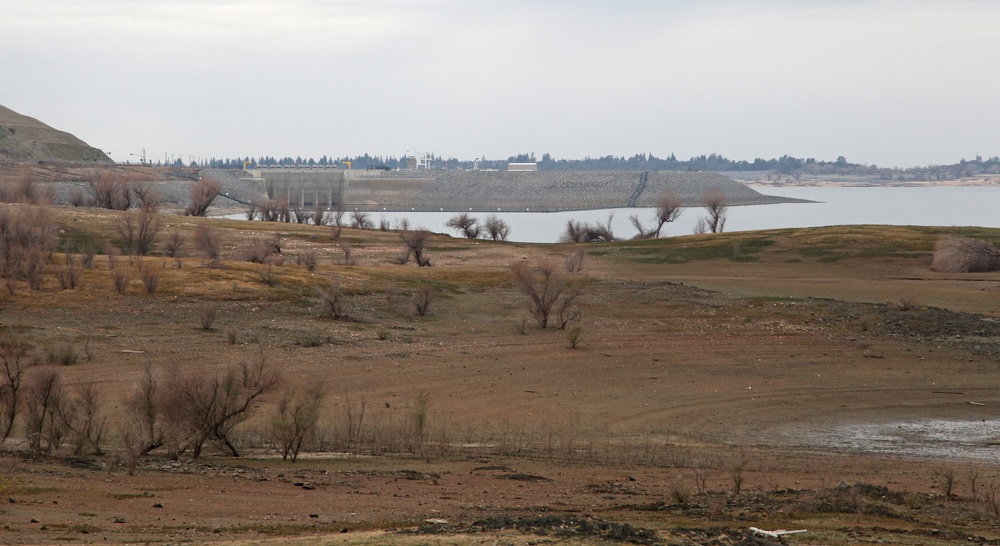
<point x="821" y="183"/>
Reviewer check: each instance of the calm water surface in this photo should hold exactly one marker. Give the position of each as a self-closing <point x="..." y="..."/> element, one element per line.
<point x="921" y="206"/>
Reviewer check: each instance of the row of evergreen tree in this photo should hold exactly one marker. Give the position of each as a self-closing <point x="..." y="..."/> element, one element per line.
<point x="784" y="165"/>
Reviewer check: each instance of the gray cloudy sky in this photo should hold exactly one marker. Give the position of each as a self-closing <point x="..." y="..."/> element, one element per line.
<point x="900" y="83"/>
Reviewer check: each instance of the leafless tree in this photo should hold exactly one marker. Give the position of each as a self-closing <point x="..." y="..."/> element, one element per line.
<point x="361" y="220"/>
<point x="716" y="209"/>
<point x="85" y="420"/>
<point x="138" y="231"/>
<point x="141" y="428"/>
<point x="668" y="208"/>
<point x="252" y="210"/>
<point x="296" y="418"/>
<point x="544" y="285"/>
<point x="207" y="314"/>
<point x="281" y="208"/>
<point x="384" y="224"/>
<point x="308" y="259"/>
<point x="302" y="216"/>
<point x="413" y="245"/>
<point x="44" y="410"/>
<point x="109" y="191"/>
<point x="15" y="357"/>
<point x="422" y="299"/>
<point x="465" y="225"/>
<point x="146" y="197"/>
<point x="320" y="217"/>
<point x="208" y="241"/>
<point x="207" y="407"/>
<point x="173" y="244"/>
<point x="202" y="194"/>
<point x="337" y="220"/>
<point x="496" y="228"/>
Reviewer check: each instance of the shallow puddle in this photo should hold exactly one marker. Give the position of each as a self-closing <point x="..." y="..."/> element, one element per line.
<point x="928" y="438"/>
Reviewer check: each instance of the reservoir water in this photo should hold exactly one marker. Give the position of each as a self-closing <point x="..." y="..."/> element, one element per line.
<point x="888" y="205"/>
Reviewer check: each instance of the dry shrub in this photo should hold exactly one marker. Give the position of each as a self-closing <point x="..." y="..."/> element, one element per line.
<point x="206" y="316"/>
<point x="16" y="355"/>
<point x="138" y="231"/>
<point x="172" y="246"/>
<point x="308" y="259"/>
<point x="69" y="274"/>
<point x="960" y="255"/>
<point x="547" y="290"/>
<point x="24" y="188"/>
<point x="208" y="242"/>
<point x="422" y="299"/>
<point x="202" y="193"/>
<point x="120" y="280"/>
<point x="361" y="220"/>
<point x="465" y="224"/>
<point x="109" y="190"/>
<point x="413" y="245"/>
<point x="574" y="262"/>
<point x="496" y="228"/>
<point x="332" y="301"/>
<point x="27" y="239"/>
<point x="150" y="278"/>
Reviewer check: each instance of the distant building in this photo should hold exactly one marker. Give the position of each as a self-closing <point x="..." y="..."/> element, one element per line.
<point x="522" y="167"/>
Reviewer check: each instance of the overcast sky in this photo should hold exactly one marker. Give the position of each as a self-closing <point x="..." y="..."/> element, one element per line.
<point x="894" y="83"/>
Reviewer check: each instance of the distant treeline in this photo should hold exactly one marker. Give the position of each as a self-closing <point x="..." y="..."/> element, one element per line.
<point x="784" y="165"/>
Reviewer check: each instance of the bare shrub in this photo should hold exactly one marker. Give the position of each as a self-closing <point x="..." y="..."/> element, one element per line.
<point x="108" y="190"/>
<point x="331" y="301"/>
<point x="573" y="336"/>
<point x="85" y="421"/>
<point x="267" y="274"/>
<point x="413" y="245"/>
<point x="257" y="251"/>
<point x="172" y="246"/>
<point x="948" y="476"/>
<point x="27" y="239"/>
<point x="547" y="289"/>
<point x="960" y="255"/>
<point x="422" y="298"/>
<point x="717" y="210"/>
<point x="61" y="355"/>
<point x="296" y="418"/>
<point x="208" y="241"/>
<point x="205" y="407"/>
<point x="384" y="224"/>
<point x="302" y="216"/>
<point x="146" y="197"/>
<point x="583" y="232"/>
<point x="75" y="197"/>
<point x="308" y="259"/>
<point x="120" y="280"/>
<point x="201" y="195"/>
<point x="15" y="357"/>
<point x="403" y="224"/>
<point x="150" y="278"/>
<point x="345" y="248"/>
<point x="69" y="272"/>
<point x="574" y="262"/>
<point x="496" y="228"/>
<point x="337" y="220"/>
<point x="25" y="188"/>
<point x="320" y="216"/>
<point x="465" y="225"/>
<point x="282" y="213"/>
<point x="206" y="315"/>
<point x="138" y="231"/>
<point x="361" y="220"/>
<point x="252" y="210"/>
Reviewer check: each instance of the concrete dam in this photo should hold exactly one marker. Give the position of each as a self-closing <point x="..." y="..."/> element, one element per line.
<point x="507" y="191"/>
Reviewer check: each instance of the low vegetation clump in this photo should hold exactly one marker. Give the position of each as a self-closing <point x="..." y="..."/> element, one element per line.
<point x="962" y="255"/>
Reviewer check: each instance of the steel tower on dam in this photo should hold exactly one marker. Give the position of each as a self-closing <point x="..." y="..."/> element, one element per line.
<point x="305" y="187"/>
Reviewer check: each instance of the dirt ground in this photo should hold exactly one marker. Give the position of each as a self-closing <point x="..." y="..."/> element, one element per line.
<point x="687" y="413"/>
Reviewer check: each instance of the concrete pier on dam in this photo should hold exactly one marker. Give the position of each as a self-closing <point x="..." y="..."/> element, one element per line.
<point x="451" y="191"/>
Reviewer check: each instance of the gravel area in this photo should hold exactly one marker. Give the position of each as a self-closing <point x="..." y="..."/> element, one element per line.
<point x="573" y="190"/>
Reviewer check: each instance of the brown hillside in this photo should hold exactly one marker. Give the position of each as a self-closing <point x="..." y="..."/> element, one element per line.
<point x="26" y="139"/>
